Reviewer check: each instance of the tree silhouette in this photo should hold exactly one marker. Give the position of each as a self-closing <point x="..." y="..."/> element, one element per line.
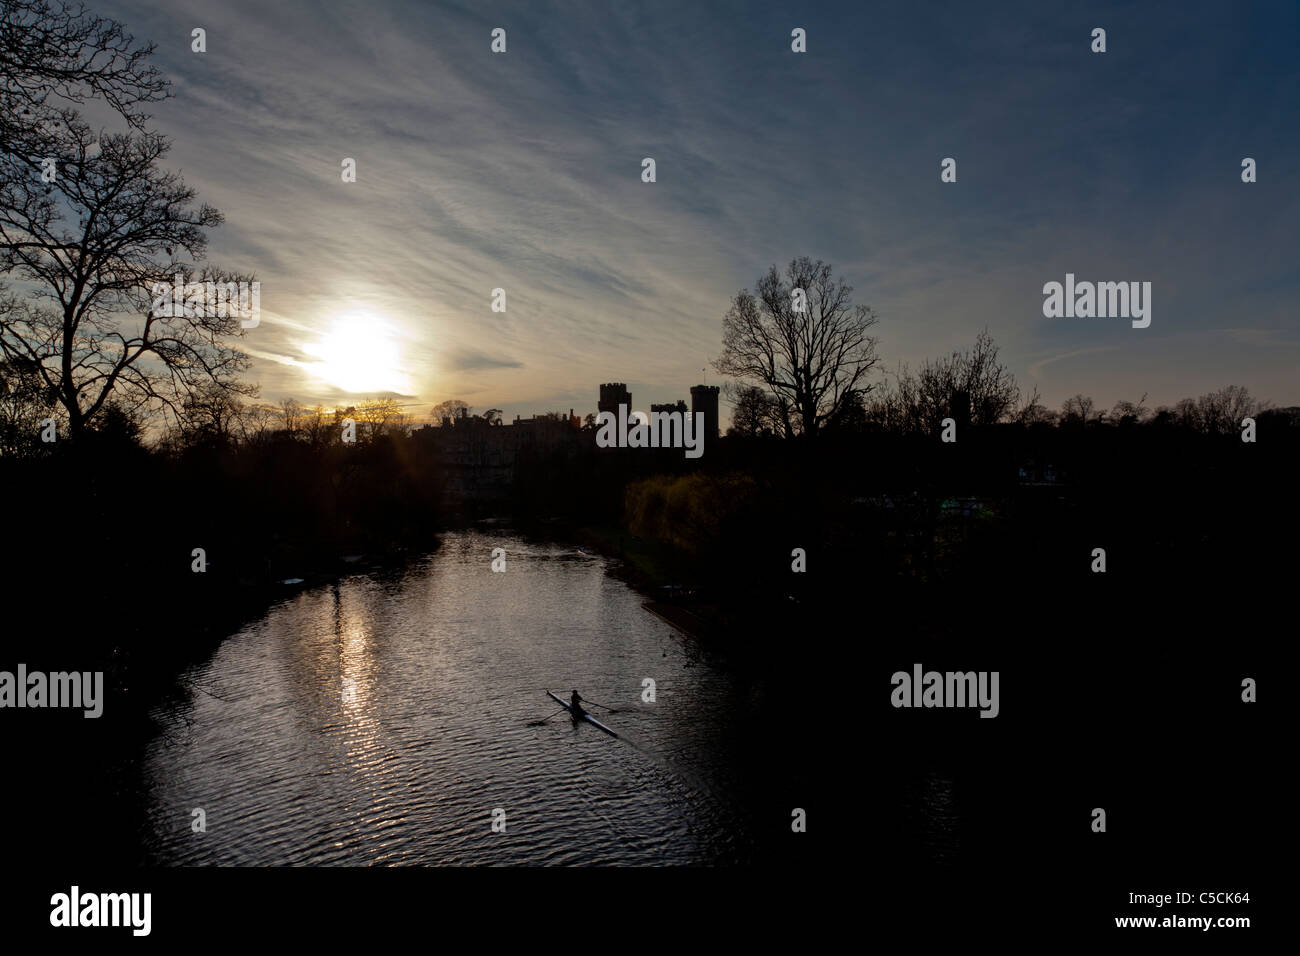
<point x="811" y="357"/>
<point x="292" y="416"/>
<point x="1078" y="410"/>
<point x="54" y="55"/>
<point x="753" y="413"/>
<point x="88" y="323"/>
<point x="83" y="321"/>
<point x="24" y="402"/>
<point x="453" y="408"/>
<point x="379" y="417"/>
<point x="1215" y="413"/>
<point x="1130" y="413"/>
<point x="210" y="414"/>
<point x="971" y="387"/>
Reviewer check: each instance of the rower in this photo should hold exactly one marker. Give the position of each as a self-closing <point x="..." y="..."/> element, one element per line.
<point x="575" y="706"/>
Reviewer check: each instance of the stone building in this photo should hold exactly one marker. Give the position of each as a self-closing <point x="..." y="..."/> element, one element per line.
<point x="613" y="394"/>
<point x="679" y="406"/>
<point x="704" y="398"/>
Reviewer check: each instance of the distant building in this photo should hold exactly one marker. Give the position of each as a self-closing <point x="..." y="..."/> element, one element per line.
<point x="679" y="406"/>
<point x="479" y="459"/>
<point x="704" y="398"/>
<point x="546" y="430"/>
<point x="612" y="395"/>
<point x="462" y="416"/>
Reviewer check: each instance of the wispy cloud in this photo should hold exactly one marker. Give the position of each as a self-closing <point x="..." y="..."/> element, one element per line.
<point x="1036" y="368"/>
<point x="475" y="361"/>
<point x="522" y="171"/>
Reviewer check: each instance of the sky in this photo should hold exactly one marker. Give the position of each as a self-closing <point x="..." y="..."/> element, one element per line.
<point x="522" y="171"/>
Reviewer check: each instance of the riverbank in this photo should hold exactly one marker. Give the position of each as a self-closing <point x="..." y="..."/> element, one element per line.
<point x="668" y="581"/>
<point x="146" y="657"/>
<point x="685" y="621"/>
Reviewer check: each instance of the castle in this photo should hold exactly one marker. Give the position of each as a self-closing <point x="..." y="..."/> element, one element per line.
<point x="479" y="456"/>
<point x="704" y="398"/>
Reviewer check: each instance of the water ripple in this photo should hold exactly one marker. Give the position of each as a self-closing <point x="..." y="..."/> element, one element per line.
<point x="369" y="723"/>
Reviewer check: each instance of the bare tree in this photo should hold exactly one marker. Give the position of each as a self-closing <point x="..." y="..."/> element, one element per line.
<point x="24" y="403"/>
<point x="453" y="408"/>
<point x="1033" y="412"/>
<point x="752" y="413"/>
<point x="1130" y="413"/>
<point x="1221" y="412"/>
<point x="971" y="387"/>
<point x="89" y="324"/>
<point x="316" y="426"/>
<point x="56" y="54"/>
<point x="802" y="341"/>
<point x="1078" y="409"/>
<point x="210" y="414"/>
<point x="292" y="416"/>
<point x="381" y="416"/>
<point x="257" y="423"/>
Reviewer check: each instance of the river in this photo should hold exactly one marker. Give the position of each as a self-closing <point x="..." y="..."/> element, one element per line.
<point x="382" y="719"/>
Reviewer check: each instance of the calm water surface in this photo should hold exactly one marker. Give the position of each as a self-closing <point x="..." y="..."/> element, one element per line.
<point x="382" y="719"/>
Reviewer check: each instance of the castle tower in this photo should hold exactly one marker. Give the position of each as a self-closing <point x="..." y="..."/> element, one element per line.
<point x="704" y="398"/>
<point x="613" y="394"/>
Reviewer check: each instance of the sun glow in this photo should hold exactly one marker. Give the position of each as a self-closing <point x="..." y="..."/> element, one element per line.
<point x="358" y="354"/>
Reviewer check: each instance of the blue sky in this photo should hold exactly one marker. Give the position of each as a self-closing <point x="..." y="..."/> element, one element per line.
<point x="522" y="171"/>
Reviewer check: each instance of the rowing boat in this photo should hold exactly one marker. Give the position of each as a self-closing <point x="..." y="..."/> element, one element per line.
<point x="585" y="715"/>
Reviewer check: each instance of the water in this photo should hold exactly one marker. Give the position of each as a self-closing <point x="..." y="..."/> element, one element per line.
<point x="381" y="720"/>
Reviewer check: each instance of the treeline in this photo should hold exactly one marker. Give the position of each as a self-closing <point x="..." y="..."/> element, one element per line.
<point x="920" y="536"/>
<point x="270" y="492"/>
<point x="32" y="421"/>
<point x="973" y="387"/>
<point x="115" y="522"/>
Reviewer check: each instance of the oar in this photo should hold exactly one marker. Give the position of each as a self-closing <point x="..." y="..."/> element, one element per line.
<point x="538" y="723"/>
<point x="598" y="704"/>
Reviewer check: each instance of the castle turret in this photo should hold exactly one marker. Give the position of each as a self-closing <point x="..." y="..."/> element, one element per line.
<point x="704" y="398"/>
<point x="612" y="395"/>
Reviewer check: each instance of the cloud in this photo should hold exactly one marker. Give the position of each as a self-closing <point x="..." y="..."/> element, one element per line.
<point x="1036" y="369"/>
<point x="522" y="171"/>
<point x="475" y="361"/>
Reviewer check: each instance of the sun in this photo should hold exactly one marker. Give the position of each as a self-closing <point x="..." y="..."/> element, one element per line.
<point x="358" y="354"/>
